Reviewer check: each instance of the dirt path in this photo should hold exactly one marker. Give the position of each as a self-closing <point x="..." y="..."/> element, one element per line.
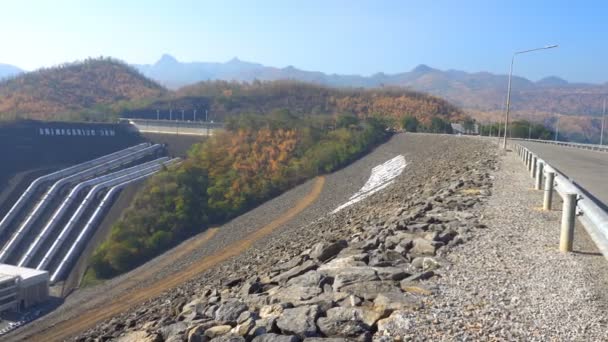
<point x="88" y="319"/>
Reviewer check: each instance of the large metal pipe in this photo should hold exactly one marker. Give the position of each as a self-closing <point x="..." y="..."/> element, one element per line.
<point x="71" y="224"/>
<point x="67" y="202"/>
<point x="32" y="188"/>
<point x="50" y="194"/>
<point x="87" y="229"/>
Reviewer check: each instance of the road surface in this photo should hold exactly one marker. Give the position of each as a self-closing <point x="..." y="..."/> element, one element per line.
<point x="175" y="127"/>
<point x="589" y="169"/>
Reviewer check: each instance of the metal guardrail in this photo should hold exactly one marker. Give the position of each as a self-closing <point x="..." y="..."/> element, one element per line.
<point x="577" y="203"/>
<point x="592" y="147"/>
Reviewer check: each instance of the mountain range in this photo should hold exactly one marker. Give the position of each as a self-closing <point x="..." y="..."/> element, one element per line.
<point x="474" y="92"/>
<point x="7" y="70"/>
<point x="75" y="91"/>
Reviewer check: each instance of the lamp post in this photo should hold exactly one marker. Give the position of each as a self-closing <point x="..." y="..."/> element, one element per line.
<point x="557" y="128"/>
<point x="603" y="119"/>
<point x="509" y="88"/>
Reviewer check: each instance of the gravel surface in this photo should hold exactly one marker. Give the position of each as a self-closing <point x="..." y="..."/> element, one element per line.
<point x="458" y="162"/>
<point x="339" y="186"/>
<point x="500" y="277"/>
<point x="511" y="282"/>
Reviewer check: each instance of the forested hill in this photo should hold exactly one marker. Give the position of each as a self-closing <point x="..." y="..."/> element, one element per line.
<point x="78" y="91"/>
<point x="225" y="99"/>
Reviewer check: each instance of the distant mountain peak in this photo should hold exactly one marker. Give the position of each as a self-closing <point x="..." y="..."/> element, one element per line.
<point x="167" y="59"/>
<point x="7" y="70"/>
<point x="552" y="81"/>
<point x="234" y="60"/>
<point x="422" y="68"/>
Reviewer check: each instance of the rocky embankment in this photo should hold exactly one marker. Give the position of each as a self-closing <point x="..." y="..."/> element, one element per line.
<point x="356" y="275"/>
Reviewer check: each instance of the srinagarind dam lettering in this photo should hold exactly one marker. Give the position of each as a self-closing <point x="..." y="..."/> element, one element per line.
<point x="76" y="132"/>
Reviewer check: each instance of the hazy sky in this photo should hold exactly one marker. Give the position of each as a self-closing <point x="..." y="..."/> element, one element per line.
<point x="346" y="37"/>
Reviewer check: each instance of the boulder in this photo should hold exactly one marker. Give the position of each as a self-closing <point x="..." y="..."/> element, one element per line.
<point x="251" y="287"/>
<point x="217" y="330"/>
<point x="351" y="328"/>
<point x="299" y="321"/>
<point x="293" y="262"/>
<point x="417" y="288"/>
<point x="293" y="294"/>
<point x="228" y="338"/>
<point x="363" y="314"/>
<point x="397" y="325"/>
<point x="193" y="310"/>
<point x="416" y="277"/>
<point x="196" y="333"/>
<point x="308" y="279"/>
<point x="294" y="272"/>
<point x="334" y="266"/>
<point x="351" y="275"/>
<point x="138" y="336"/>
<point x="173" y="330"/>
<point x="401" y="237"/>
<point x="324" y="251"/>
<point x="424" y="247"/>
<point x="243" y="328"/>
<point x="391" y="301"/>
<point x="425" y="263"/>
<point x="369" y="290"/>
<point x="273" y="310"/>
<point x="276" y="338"/>
<point x="228" y="312"/>
<point x="392" y="273"/>
<point x="246" y="315"/>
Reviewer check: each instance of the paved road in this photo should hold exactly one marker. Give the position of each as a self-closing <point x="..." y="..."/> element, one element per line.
<point x="175" y="127"/>
<point x="175" y="130"/>
<point x="588" y="168"/>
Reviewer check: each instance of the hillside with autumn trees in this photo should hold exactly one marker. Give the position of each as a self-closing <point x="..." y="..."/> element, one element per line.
<point x="75" y="91"/>
<point x="255" y="159"/>
<point x="224" y="99"/>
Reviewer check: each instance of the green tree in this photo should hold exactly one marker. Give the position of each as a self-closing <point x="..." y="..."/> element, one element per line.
<point x="438" y="125"/>
<point x="346" y="121"/>
<point x="410" y="123"/>
<point x="468" y="125"/>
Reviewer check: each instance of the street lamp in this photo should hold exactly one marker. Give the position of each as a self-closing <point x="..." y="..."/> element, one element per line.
<point x="557" y="128"/>
<point x="509" y="88"/>
<point x="603" y="119"/>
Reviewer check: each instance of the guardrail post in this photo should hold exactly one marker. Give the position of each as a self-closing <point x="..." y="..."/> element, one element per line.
<point x="533" y="167"/>
<point x="539" y="176"/>
<point x="568" y="216"/>
<point x="548" y="198"/>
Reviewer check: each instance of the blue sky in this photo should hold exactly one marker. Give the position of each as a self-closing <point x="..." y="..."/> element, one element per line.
<point x="348" y="37"/>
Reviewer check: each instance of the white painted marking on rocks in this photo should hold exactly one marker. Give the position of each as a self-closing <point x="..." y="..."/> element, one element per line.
<point x="382" y="176"/>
